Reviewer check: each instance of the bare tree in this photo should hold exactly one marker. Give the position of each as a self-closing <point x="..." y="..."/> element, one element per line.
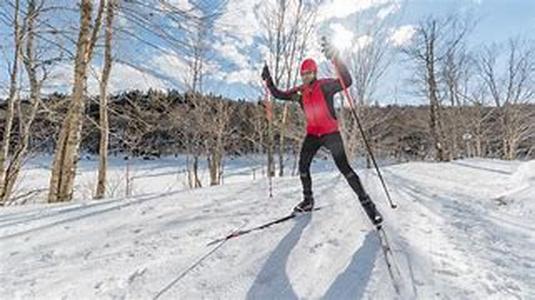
<point x="198" y="47"/>
<point x="369" y="60"/>
<point x="66" y="153"/>
<point x="12" y="97"/>
<point x="510" y="90"/>
<point x="456" y="73"/>
<point x="287" y="27"/>
<point x="298" y="36"/>
<point x="218" y="133"/>
<point x="434" y="40"/>
<point x="194" y="141"/>
<point x="478" y="116"/>
<point x="192" y="47"/>
<point x="36" y="59"/>
<point x="103" y="112"/>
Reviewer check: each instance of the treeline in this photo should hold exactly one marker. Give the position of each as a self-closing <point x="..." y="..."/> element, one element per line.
<point x="155" y="123"/>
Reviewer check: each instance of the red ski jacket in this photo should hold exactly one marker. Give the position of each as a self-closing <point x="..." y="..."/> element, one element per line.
<point x="316" y="99"/>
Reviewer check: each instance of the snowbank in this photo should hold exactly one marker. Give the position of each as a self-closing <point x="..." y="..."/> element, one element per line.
<point x="525" y="175"/>
<point x="520" y="199"/>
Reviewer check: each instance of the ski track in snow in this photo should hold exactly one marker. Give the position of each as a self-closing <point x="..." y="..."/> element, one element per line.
<point x="450" y="238"/>
<point x="467" y="245"/>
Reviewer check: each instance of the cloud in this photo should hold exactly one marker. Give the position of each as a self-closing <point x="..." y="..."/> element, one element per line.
<point x="241" y="70"/>
<point x="237" y="50"/>
<point x="170" y="66"/>
<point x="239" y="20"/>
<point x="183" y="5"/>
<point x="159" y="71"/>
<point x="192" y="8"/>
<point x="123" y="77"/>
<point x="229" y="51"/>
<point x="244" y="76"/>
<point x="388" y="10"/>
<point x="342" y="38"/>
<point x="235" y="63"/>
<point x="59" y="79"/>
<point x="402" y="35"/>
<point x="344" y="8"/>
<point x="237" y="54"/>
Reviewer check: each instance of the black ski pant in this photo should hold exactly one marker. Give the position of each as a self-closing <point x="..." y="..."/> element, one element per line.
<point x="333" y="142"/>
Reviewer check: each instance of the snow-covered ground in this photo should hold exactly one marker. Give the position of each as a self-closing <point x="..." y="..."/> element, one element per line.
<point x="464" y="230"/>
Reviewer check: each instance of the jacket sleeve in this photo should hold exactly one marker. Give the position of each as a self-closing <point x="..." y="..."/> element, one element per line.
<point x="333" y="85"/>
<point x="289" y="95"/>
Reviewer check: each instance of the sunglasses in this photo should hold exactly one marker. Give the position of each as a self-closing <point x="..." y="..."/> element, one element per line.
<point x="307" y="73"/>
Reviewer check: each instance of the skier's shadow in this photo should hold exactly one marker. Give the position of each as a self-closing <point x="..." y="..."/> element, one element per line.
<point x="352" y="283"/>
<point x="272" y="282"/>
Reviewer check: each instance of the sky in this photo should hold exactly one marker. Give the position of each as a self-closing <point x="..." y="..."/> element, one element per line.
<point x="237" y="54"/>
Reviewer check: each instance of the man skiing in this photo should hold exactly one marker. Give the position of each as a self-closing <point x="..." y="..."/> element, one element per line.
<point x="316" y="98"/>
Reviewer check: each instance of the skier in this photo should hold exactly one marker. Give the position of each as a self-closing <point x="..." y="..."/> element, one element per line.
<point x="316" y="98"/>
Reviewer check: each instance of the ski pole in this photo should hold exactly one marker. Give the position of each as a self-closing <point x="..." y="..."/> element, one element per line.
<point x="364" y="138"/>
<point x="269" y="115"/>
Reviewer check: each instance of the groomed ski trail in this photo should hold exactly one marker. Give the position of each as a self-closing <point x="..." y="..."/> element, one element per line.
<point x="449" y="237"/>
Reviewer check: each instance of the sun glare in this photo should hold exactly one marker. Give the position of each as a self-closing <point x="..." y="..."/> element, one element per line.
<point x="342" y="38"/>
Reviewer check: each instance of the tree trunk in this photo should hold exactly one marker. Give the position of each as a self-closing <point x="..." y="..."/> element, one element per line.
<point x="214" y="163"/>
<point x="434" y="105"/>
<point x="281" y="140"/>
<point x="11" y="175"/>
<point x="128" y="189"/>
<point x="216" y="157"/>
<point x="270" y="141"/>
<point x="196" y="180"/>
<point x="66" y="154"/>
<point x="190" y="172"/>
<point x="12" y="97"/>
<point x="507" y="144"/>
<point x="103" y="109"/>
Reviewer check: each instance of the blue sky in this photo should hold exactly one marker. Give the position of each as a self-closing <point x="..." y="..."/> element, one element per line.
<point x="236" y="58"/>
<point x="496" y="22"/>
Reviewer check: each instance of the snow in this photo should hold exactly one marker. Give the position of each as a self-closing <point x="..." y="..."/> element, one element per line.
<point x="525" y="175"/>
<point x="453" y="238"/>
<point x="520" y="198"/>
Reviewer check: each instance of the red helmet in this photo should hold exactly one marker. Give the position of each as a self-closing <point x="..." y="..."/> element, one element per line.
<point x="309" y="65"/>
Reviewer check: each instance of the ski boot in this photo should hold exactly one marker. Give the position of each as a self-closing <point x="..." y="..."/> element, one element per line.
<point x="306" y="205"/>
<point x="369" y="207"/>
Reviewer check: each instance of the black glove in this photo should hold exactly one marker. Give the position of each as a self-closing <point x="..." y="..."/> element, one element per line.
<point x="296" y="97"/>
<point x="328" y="49"/>
<point x="266" y="76"/>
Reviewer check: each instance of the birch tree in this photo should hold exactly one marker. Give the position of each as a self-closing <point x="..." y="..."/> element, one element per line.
<point x="68" y="143"/>
<point x="12" y="96"/>
<point x="103" y="107"/>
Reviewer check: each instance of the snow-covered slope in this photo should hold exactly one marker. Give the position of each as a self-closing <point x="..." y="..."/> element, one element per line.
<point x="520" y="198"/>
<point x="452" y="236"/>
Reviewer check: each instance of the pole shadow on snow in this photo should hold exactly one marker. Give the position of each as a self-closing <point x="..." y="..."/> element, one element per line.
<point x="352" y="283"/>
<point x="473" y="166"/>
<point x="272" y="282"/>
